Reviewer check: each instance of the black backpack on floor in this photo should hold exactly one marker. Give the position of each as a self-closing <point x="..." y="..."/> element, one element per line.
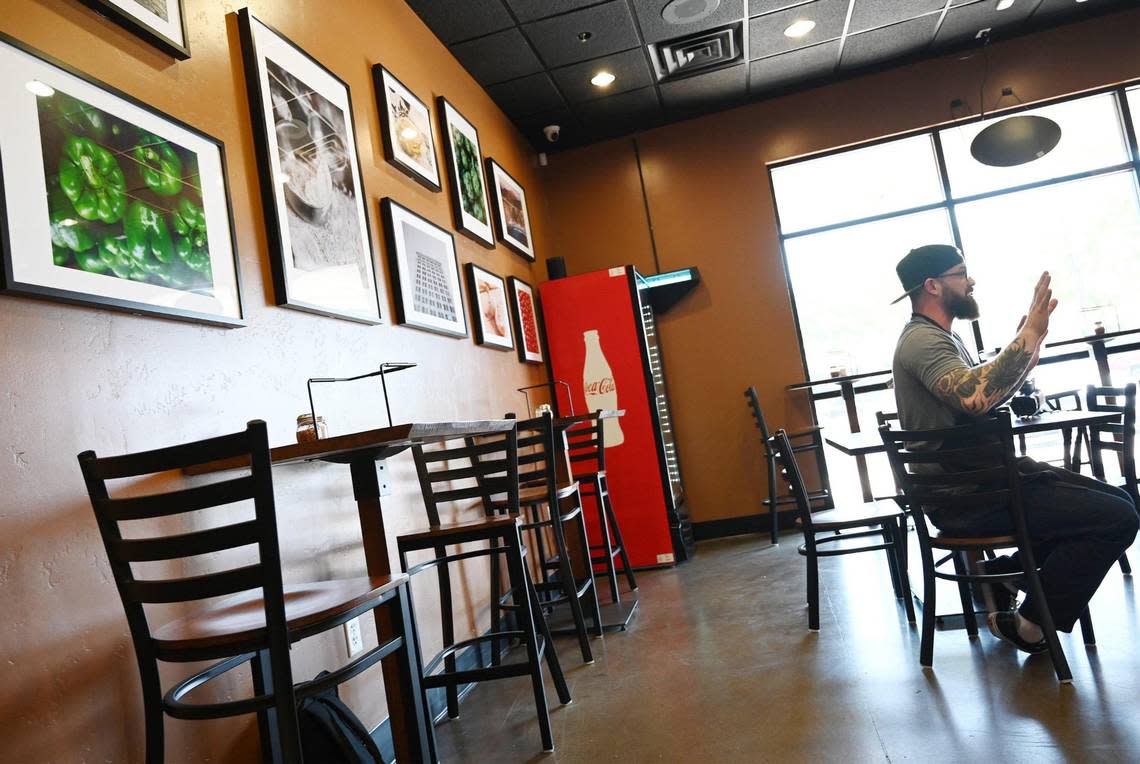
<point x="332" y="734"/>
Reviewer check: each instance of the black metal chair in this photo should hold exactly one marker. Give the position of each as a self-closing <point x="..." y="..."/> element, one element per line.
<point x="949" y="478"/>
<point x="882" y="520"/>
<point x="1071" y="446"/>
<point x="258" y="617"/>
<point x="1117" y="438"/>
<point x="585" y="444"/>
<point x="548" y="507"/>
<point x="803" y="441"/>
<point x="482" y="465"/>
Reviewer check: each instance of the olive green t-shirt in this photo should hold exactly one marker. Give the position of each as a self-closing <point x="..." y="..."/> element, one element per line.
<point x="924" y="354"/>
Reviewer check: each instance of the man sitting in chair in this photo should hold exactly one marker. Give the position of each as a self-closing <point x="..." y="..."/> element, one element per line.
<point x="1078" y="526"/>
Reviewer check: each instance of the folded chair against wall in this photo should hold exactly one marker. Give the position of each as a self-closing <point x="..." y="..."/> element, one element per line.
<point x="257" y="617"/>
<point x="1117" y="438"/>
<point x="458" y="472"/>
<point x="881" y="521"/>
<point x="943" y="482"/>
<point x="803" y="441"/>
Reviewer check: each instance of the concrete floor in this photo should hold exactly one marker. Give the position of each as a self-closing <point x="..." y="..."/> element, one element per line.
<point x="718" y="666"/>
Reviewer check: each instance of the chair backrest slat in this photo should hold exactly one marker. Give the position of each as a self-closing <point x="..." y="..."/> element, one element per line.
<point x="491" y="459"/>
<point x="790" y="470"/>
<point x="172" y="457"/>
<point x="189" y="544"/>
<point x="485" y="467"/>
<point x="488" y="444"/>
<point x="1121" y="437"/>
<point x="586" y="444"/>
<point x="180" y="501"/>
<point x="753" y="399"/>
<point x="197" y="587"/>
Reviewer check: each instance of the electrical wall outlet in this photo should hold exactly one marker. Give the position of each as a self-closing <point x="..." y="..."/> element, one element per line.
<point x="352" y="637"/>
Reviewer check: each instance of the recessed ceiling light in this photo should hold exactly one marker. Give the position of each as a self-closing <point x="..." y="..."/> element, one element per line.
<point x="688" y="11"/>
<point x="602" y="79"/>
<point x="583" y="36"/>
<point x="799" y="28"/>
<point x="41" y="89"/>
<point x="1003" y="4"/>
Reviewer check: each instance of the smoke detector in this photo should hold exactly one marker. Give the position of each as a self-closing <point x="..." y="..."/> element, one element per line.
<point x="688" y="11"/>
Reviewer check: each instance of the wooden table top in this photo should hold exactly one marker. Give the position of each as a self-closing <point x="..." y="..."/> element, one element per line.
<point x="869" y="441"/>
<point x="374" y="444"/>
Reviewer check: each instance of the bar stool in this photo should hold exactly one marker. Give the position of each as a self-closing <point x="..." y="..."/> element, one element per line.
<point x="261" y="617"/>
<point x="585" y="445"/>
<point x="803" y="441"/>
<point x="490" y="462"/>
<point x="547" y="507"/>
<point x="1121" y="440"/>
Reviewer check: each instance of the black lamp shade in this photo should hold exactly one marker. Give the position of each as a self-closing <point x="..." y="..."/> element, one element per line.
<point x="1015" y="140"/>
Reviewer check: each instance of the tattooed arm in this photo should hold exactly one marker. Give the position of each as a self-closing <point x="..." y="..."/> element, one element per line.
<point x="978" y="390"/>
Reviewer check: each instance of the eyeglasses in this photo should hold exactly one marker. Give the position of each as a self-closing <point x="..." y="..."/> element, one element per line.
<point x="955" y="274"/>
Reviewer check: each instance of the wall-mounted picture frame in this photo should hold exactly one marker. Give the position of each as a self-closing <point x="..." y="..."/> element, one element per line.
<point x="524" y="315"/>
<point x="512" y="218"/>
<point x="465" y="171"/>
<point x="490" y="314"/>
<point x="316" y="220"/>
<point x="162" y="23"/>
<point x="406" y="128"/>
<point x="424" y="270"/>
<point x="107" y="201"/>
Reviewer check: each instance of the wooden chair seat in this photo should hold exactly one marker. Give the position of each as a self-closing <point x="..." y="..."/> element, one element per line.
<point x="821" y="495"/>
<point x="241" y="618"/>
<point x="854" y="517"/>
<point x="443" y="530"/>
<point x="535" y="495"/>
<point x="949" y="541"/>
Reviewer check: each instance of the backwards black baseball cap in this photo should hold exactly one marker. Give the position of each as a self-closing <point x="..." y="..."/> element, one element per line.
<point x="923" y="263"/>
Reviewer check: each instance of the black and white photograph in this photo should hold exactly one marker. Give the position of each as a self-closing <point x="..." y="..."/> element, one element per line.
<point x="489" y="312"/>
<point x="465" y="168"/>
<point x="162" y="23"/>
<point x="512" y="219"/>
<point x="424" y="270"/>
<point x="108" y="201"/>
<point x="405" y="122"/>
<point x="312" y="189"/>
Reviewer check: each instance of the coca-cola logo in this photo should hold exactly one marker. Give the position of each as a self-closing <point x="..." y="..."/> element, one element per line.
<point x="601" y="386"/>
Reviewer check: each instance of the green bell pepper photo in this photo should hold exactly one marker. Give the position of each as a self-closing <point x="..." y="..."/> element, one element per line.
<point x="159" y="165"/>
<point x="91" y="178"/>
<point x="191" y="244"/>
<point x="147" y="233"/>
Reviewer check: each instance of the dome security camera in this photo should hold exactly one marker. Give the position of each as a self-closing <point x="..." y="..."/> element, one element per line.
<point x="552" y="132"/>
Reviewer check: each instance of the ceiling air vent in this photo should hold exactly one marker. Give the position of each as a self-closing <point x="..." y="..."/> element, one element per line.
<point x="697" y="53"/>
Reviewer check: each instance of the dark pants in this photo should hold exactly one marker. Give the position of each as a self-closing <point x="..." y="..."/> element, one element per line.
<point x="1078" y="527"/>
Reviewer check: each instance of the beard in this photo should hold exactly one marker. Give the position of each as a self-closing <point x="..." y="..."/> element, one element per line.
<point x="963" y="306"/>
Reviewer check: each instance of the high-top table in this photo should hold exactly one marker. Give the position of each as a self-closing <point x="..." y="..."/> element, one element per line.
<point x="361" y="451"/>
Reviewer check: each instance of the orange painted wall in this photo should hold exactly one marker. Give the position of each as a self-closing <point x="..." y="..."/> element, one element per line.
<point x="76" y="378"/>
<point x="711" y="206"/>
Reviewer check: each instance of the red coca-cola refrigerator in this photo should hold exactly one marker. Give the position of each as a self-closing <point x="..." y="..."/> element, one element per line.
<point x="602" y="339"/>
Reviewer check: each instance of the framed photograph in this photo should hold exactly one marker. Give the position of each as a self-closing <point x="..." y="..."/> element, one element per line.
<point x="489" y="312"/>
<point x="468" y="183"/>
<point x="162" y="23"/>
<point x="524" y="313"/>
<point x="424" y="272"/>
<point x="311" y="187"/>
<point x="405" y="124"/>
<point x="511" y="216"/>
<point x="109" y="202"/>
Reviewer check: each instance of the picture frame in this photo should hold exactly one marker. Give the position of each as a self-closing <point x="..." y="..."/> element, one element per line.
<point x="407" y="129"/>
<point x="512" y="217"/>
<point x="524" y="316"/>
<point x="312" y="190"/>
<point x="469" y="200"/>
<point x="424" y="270"/>
<point x="162" y="23"/>
<point x="106" y="201"/>
<point x="490" y="314"/>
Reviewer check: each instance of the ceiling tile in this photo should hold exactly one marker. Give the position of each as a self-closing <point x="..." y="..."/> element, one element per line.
<point x="629" y="68"/>
<point x="571" y="132"/>
<point x="1053" y="11"/>
<point x="636" y="109"/>
<point x="497" y="57"/>
<point x="766" y="33"/>
<point x="527" y="95"/>
<point x="758" y="7"/>
<point x="962" y="23"/>
<point x="871" y="14"/>
<point x="655" y="28"/>
<point x="800" y="65"/>
<point x="530" y="10"/>
<point x="453" y="20"/>
<point x="719" y="88"/>
<point x="887" y="43"/>
<point x="610" y="27"/>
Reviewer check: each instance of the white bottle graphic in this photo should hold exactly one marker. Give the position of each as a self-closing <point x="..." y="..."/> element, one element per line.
<point x="598" y="386"/>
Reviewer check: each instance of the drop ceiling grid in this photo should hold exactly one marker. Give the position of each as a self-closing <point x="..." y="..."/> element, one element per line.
<point x="536" y="42"/>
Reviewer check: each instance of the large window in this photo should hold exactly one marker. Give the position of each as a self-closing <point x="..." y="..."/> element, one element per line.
<point x="848" y="216"/>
